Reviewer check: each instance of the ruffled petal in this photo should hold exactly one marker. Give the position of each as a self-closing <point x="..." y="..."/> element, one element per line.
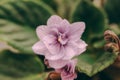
<point x="42" y="31"/>
<point x="68" y="72"/>
<point x="80" y="47"/>
<point x="76" y="30"/>
<point x="63" y="26"/>
<point x="69" y="53"/>
<point x="39" y="48"/>
<point x="57" y="64"/>
<point x="74" y="49"/>
<point x="51" y="43"/>
<point x="54" y="20"/>
<point x="54" y="56"/>
<point x="69" y="77"/>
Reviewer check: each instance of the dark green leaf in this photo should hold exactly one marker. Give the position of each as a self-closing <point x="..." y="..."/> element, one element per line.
<point x="19" y="65"/>
<point x="41" y="76"/>
<point x="112" y="8"/>
<point x="93" y="17"/>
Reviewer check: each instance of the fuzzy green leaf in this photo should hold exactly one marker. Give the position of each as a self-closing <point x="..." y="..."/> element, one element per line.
<point x="18" y="19"/>
<point x="92" y="63"/>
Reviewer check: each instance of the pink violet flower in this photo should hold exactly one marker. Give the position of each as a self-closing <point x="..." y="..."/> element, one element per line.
<point x="59" y="40"/>
<point x="68" y="71"/>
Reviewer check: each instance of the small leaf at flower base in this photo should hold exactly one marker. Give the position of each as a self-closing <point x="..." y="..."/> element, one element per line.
<point x="18" y="19"/>
<point x="91" y="64"/>
<point x="94" y="18"/>
<point x="19" y="65"/>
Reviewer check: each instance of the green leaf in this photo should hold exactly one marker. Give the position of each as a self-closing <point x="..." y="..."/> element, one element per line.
<point x="30" y="12"/>
<point x="18" y="18"/>
<point x="41" y="76"/>
<point x="94" y="18"/>
<point x="19" y="65"/>
<point x="52" y="3"/>
<point x="21" y="38"/>
<point x="64" y="9"/>
<point x="4" y="46"/>
<point x="115" y="28"/>
<point x="112" y="7"/>
<point x="95" y="59"/>
<point x="92" y="63"/>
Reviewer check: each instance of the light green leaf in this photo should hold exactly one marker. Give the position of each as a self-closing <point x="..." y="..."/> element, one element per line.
<point x="52" y="3"/>
<point x="18" y="20"/>
<point x="21" y="38"/>
<point x="91" y="64"/>
<point x="65" y="7"/>
<point x="30" y="12"/>
<point x="115" y="28"/>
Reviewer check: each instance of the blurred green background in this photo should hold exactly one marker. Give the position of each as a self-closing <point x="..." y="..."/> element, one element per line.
<point x="19" y="19"/>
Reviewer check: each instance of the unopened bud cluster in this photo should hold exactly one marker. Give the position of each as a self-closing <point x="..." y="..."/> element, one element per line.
<point x="112" y="42"/>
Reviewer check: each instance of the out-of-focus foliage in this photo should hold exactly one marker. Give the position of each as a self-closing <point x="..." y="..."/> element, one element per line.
<point x="94" y="18"/>
<point x="113" y="13"/>
<point x="30" y="77"/>
<point x="20" y="37"/>
<point x="19" y="65"/>
<point x="94" y="63"/>
<point x="112" y="8"/>
<point x="18" y="20"/>
<point x="94" y="59"/>
<point x="52" y="3"/>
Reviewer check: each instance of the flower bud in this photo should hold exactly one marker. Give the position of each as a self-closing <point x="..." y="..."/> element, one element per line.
<point x="110" y="36"/>
<point x="54" y="76"/>
<point x="112" y="47"/>
<point x="113" y="41"/>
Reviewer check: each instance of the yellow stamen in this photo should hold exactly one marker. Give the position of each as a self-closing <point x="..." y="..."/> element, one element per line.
<point x="59" y="39"/>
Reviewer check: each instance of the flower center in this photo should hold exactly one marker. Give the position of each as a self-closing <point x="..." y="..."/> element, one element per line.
<point x="62" y="39"/>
